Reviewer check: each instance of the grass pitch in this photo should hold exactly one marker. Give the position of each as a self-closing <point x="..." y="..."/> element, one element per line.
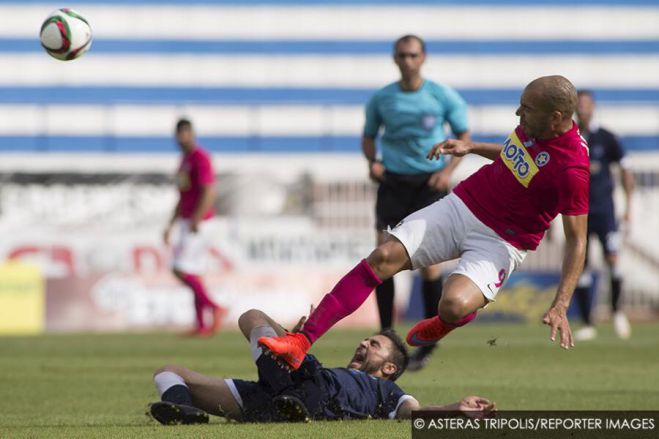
<point x="91" y="385"/>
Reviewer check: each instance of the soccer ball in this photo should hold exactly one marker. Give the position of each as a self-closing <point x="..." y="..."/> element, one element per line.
<point x="65" y="34"/>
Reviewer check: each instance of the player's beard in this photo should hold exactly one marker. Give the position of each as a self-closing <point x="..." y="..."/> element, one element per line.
<point x="369" y="367"/>
<point x="360" y="361"/>
<point x="530" y="133"/>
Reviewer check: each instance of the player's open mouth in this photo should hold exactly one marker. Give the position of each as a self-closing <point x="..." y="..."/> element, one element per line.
<point x="359" y="357"/>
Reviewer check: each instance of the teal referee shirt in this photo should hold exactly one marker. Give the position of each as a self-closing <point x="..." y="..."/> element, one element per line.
<point x="413" y="122"/>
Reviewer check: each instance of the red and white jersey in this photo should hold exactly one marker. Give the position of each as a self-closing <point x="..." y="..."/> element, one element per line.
<point x="531" y="182"/>
<point x="195" y="172"/>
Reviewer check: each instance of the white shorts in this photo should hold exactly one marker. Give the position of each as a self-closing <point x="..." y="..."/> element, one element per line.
<point x="448" y="230"/>
<point x="191" y="249"/>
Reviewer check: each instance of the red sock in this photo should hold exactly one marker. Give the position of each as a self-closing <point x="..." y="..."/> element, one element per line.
<point x="202" y="300"/>
<point x="346" y="296"/>
<point x="199" y="313"/>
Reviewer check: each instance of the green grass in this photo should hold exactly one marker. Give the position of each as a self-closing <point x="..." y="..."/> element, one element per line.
<point x="99" y="385"/>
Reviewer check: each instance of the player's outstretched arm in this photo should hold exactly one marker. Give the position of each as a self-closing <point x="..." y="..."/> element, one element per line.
<point x="406" y="408"/>
<point x="475" y="407"/>
<point x="574" y="227"/>
<point x="460" y="148"/>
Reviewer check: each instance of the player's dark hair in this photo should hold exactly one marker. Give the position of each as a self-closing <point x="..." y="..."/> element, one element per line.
<point x="399" y="355"/>
<point x="182" y="124"/>
<point x="408" y="37"/>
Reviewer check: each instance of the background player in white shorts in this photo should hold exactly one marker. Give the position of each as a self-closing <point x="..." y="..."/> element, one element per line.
<point x="195" y="179"/>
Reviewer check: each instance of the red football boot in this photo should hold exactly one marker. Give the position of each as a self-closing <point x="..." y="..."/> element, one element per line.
<point x="289" y="349"/>
<point x="429" y="331"/>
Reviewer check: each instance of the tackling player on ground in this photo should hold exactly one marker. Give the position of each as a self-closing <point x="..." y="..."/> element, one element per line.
<point x="364" y="389"/>
<point x="490" y="221"/>
<point x="195" y="179"/>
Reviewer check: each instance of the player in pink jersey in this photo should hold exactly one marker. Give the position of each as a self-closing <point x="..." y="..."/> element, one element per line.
<point x="490" y="221"/>
<point x="195" y="180"/>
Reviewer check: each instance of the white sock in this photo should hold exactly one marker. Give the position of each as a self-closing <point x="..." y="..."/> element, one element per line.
<point x="255" y="334"/>
<point x="166" y="380"/>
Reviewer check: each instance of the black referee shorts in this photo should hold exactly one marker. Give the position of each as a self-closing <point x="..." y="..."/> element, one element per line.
<point x="400" y="195"/>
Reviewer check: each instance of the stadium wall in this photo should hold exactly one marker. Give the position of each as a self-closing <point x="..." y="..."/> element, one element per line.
<point x="293" y="75"/>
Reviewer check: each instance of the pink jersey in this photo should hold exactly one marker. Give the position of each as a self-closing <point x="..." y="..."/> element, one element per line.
<point x="531" y="182"/>
<point x="195" y="172"/>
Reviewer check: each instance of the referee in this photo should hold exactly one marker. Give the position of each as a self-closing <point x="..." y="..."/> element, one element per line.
<point x="412" y="114"/>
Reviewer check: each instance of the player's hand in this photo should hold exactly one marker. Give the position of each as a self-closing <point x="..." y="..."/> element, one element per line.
<point x="556" y="318"/>
<point x="303" y="319"/>
<point x="440" y="180"/>
<point x="376" y="171"/>
<point x="476" y="407"/>
<point x="454" y="147"/>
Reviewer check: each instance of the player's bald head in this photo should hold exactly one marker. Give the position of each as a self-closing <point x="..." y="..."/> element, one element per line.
<point x="557" y="93"/>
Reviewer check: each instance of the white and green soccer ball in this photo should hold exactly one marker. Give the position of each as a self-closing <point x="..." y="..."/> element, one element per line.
<point x="65" y="34"/>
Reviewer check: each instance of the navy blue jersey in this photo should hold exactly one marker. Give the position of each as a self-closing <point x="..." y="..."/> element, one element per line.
<point x="337" y="393"/>
<point x="354" y="394"/>
<point x="605" y="149"/>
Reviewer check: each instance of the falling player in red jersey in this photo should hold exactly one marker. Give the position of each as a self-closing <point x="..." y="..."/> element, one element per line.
<point x="490" y="221"/>
<point x="195" y="180"/>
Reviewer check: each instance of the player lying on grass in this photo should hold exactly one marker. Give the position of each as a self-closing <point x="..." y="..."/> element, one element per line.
<point x="363" y="389"/>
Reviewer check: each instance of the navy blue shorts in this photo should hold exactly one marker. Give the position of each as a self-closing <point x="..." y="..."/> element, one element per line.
<point x="400" y="195"/>
<point x="306" y="383"/>
<point x="604" y="226"/>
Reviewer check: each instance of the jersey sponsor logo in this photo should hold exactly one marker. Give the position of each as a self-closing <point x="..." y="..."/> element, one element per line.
<point x="518" y="160"/>
<point x="542" y="159"/>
